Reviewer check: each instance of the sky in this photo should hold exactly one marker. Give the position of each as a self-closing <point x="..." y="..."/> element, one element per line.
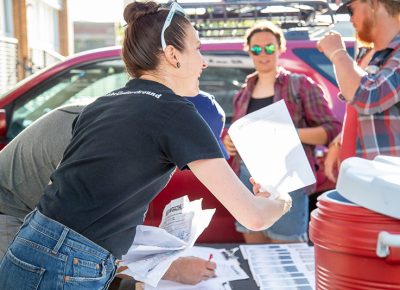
<point x="96" y="10"/>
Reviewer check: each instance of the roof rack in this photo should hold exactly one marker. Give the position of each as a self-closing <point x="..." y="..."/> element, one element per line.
<point x="232" y="19"/>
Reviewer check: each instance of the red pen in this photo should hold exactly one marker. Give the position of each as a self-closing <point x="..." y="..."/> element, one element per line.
<point x="210" y="257"/>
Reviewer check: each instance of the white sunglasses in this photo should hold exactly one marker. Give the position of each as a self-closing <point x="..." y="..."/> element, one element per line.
<point x="174" y="7"/>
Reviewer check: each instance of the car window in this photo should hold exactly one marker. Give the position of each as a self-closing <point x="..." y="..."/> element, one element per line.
<point x="79" y="84"/>
<point x="224" y="76"/>
<point x="224" y="83"/>
<point x="319" y="61"/>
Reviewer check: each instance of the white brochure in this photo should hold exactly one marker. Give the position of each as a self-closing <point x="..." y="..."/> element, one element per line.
<point x="270" y="147"/>
<point x="154" y="249"/>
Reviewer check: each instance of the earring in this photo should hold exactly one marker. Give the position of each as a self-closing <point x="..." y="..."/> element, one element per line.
<point x="178" y="65"/>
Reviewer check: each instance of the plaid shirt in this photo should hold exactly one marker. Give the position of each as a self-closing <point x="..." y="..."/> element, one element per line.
<point x="377" y="102"/>
<point x="308" y="108"/>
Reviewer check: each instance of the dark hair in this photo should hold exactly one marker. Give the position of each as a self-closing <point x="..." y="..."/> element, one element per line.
<point x="266" y="26"/>
<point x="142" y="43"/>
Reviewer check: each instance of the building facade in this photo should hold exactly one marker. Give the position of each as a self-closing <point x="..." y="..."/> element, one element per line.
<point x="8" y="47"/>
<point x="33" y="34"/>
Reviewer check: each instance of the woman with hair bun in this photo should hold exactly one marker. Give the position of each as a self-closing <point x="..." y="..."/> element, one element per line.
<point x="124" y="148"/>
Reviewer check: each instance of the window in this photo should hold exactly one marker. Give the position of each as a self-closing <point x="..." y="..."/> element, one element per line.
<point x="224" y="76"/>
<point x="224" y="83"/>
<point x="81" y="84"/>
<point x="8" y="22"/>
<point x="319" y="61"/>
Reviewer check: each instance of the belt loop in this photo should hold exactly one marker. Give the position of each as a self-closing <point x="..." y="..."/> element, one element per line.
<point x="60" y="241"/>
<point x="29" y="215"/>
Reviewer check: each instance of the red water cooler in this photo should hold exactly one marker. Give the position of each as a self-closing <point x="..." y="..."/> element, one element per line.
<point x="355" y="248"/>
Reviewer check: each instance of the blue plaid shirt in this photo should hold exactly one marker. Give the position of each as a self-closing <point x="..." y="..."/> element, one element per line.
<point x="377" y="102"/>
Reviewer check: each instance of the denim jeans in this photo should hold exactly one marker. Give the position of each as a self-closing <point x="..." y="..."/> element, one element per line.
<point x="292" y="226"/>
<point x="48" y="255"/>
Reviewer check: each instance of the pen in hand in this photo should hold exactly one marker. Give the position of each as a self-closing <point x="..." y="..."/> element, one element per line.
<point x="211" y="265"/>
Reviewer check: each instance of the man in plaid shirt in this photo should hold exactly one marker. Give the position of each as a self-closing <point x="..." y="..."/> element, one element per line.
<point x="373" y="92"/>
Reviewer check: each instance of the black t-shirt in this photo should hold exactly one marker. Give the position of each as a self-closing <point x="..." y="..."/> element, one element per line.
<point x="124" y="149"/>
<point x="256" y="104"/>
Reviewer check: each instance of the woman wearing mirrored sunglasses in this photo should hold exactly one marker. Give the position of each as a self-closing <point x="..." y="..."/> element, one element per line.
<point x="124" y="148"/>
<point x="309" y="110"/>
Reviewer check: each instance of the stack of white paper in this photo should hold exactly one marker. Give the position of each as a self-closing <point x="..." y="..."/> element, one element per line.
<point x="154" y="249"/>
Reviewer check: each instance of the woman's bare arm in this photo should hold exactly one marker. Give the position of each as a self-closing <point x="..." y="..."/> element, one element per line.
<point x="256" y="212"/>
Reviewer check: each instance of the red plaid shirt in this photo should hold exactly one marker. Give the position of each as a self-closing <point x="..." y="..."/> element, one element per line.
<point x="308" y="108"/>
<point x="377" y="102"/>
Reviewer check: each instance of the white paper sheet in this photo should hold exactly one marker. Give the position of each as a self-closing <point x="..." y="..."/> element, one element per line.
<point x="270" y="147"/>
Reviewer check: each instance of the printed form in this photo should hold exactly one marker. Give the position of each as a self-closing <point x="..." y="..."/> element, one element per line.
<point x="281" y="266"/>
<point x="270" y="147"/>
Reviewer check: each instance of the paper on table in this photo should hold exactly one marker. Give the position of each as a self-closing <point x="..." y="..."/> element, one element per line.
<point x="271" y="149"/>
<point x="281" y="266"/>
<point x="227" y="270"/>
<point x="210" y="284"/>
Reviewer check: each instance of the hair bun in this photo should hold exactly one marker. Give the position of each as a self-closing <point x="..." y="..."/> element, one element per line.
<point x="135" y="10"/>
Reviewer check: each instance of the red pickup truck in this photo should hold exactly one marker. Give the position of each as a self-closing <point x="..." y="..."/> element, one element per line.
<point x="92" y="74"/>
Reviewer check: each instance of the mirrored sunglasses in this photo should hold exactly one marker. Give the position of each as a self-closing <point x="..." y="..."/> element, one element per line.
<point x="173" y="8"/>
<point x="257" y="50"/>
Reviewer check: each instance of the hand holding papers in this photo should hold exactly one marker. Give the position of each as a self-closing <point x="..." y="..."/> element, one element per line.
<point x="271" y="149"/>
<point x="154" y="249"/>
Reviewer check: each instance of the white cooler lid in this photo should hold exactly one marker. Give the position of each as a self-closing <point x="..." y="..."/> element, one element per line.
<point x="373" y="184"/>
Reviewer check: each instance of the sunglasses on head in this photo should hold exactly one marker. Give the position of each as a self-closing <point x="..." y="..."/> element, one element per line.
<point x="174" y="7"/>
<point x="257" y="50"/>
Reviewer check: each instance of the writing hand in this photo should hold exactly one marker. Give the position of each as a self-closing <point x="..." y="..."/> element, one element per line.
<point x="190" y="270"/>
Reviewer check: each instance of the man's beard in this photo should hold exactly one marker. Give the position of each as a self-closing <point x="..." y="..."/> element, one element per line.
<point x="365" y="33"/>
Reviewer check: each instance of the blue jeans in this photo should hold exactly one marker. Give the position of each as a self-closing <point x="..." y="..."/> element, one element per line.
<point x="48" y="255"/>
<point x="293" y="226"/>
